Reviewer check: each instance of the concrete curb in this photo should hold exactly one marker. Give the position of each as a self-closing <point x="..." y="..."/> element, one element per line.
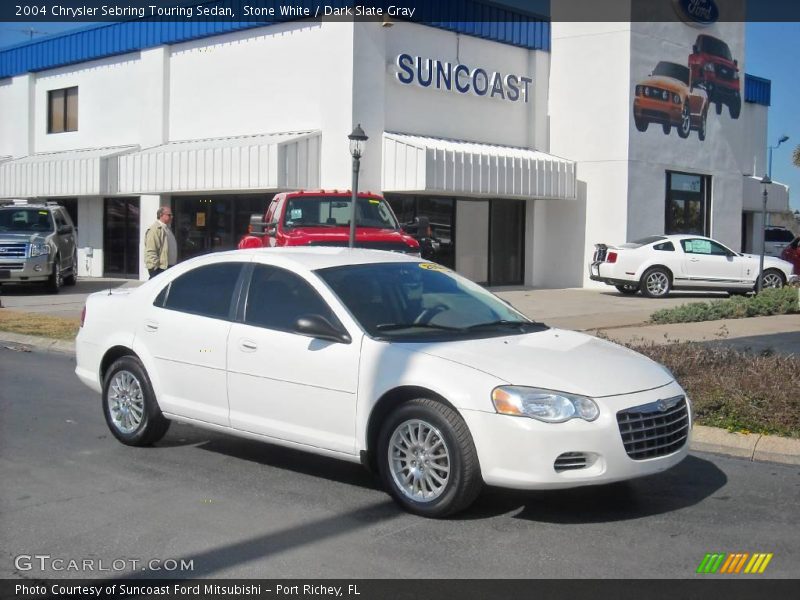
<point x="752" y="446"/>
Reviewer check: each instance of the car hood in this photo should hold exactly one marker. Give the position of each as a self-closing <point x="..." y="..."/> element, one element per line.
<point x="304" y="235"/>
<point x="18" y="238"/>
<point x="556" y="359"/>
<point x="668" y="83"/>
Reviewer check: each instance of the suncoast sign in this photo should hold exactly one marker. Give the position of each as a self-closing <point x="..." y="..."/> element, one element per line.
<point x="462" y="79"/>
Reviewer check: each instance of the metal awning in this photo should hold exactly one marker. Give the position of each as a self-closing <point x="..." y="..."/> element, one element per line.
<point x="753" y="195"/>
<point x="89" y="172"/>
<point x="414" y="163"/>
<point x="251" y="162"/>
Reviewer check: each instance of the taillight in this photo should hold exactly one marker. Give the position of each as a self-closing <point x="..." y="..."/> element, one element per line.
<point x="611" y="257"/>
<point x="83" y="315"/>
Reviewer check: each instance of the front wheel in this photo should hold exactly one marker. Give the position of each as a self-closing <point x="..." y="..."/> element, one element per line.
<point x="641" y="124"/>
<point x="685" y="125"/>
<point x="735" y="107"/>
<point x="129" y="404"/>
<point x="72" y="278"/>
<point x="656" y="283"/>
<point x="772" y="279"/>
<point x="56" y="279"/>
<point x="701" y="131"/>
<point x="628" y="288"/>
<point x="427" y="459"/>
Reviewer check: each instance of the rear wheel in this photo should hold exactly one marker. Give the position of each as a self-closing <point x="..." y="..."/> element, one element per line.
<point x="656" y="283"/>
<point x="427" y="459"/>
<point x="701" y="131"/>
<point x="129" y="404"/>
<point x="735" y="107"/>
<point x="666" y="127"/>
<point x="628" y="288"/>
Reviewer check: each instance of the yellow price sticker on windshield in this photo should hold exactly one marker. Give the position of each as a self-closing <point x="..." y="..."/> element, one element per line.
<point x="43" y="212"/>
<point x="432" y="267"/>
<point x="373" y="201"/>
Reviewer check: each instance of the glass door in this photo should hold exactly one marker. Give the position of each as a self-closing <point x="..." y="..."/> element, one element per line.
<point x="506" y="242"/>
<point x="121" y="237"/>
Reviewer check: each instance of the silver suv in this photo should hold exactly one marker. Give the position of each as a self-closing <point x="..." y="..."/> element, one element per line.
<point x="37" y="244"/>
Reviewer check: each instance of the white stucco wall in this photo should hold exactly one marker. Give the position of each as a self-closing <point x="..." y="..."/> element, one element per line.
<point x="16" y="119"/>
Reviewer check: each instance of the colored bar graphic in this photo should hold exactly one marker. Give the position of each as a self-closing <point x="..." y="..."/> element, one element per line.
<point x="724" y="563"/>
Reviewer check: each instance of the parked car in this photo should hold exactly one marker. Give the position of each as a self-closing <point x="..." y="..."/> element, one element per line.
<point x="776" y="239"/>
<point x="380" y="358"/>
<point x="714" y="69"/>
<point x="665" y="98"/>
<point x="657" y="264"/>
<point x="37" y="245"/>
<point x="791" y="253"/>
<point x="322" y="218"/>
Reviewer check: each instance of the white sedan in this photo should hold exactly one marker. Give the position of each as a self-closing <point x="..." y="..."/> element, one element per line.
<point x="379" y="358"/>
<point x="657" y="264"/>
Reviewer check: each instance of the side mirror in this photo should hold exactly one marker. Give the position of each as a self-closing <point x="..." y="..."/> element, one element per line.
<point x="736" y="62"/>
<point x="64" y="229"/>
<point x="319" y="327"/>
<point x="256" y="224"/>
<point x="423" y="227"/>
<point x="271" y="229"/>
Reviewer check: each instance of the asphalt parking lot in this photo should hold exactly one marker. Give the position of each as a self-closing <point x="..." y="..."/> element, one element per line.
<point x="237" y="508"/>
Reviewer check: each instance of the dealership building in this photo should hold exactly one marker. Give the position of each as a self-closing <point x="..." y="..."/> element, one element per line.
<point x="525" y="141"/>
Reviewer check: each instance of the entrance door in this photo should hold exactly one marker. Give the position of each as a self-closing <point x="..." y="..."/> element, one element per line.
<point x="506" y="242"/>
<point x="121" y="237"/>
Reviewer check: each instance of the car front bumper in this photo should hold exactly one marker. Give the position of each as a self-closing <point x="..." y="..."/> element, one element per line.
<point x="25" y="270"/>
<point x="521" y="453"/>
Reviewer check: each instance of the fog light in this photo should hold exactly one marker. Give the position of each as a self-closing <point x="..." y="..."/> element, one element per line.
<point x="37" y="268"/>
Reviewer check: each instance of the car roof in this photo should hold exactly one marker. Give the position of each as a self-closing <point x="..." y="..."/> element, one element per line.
<point x="320" y="257"/>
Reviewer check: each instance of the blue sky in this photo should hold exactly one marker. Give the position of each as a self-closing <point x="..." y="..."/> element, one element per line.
<point x="772" y="50"/>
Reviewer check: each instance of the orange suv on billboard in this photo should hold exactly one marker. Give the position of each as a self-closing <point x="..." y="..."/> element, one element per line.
<point x="666" y="98"/>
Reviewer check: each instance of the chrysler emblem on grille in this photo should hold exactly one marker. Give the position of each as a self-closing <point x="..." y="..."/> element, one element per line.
<point x="667" y="403"/>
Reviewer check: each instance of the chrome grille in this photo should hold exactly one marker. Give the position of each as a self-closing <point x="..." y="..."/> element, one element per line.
<point x="13" y="250"/>
<point x="12" y="266"/>
<point x="570" y="461"/>
<point x="654" y="429"/>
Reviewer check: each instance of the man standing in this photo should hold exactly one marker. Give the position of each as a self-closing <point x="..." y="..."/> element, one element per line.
<point x="160" y="247"/>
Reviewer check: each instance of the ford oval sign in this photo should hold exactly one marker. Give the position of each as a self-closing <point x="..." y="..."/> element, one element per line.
<point x="697" y="12"/>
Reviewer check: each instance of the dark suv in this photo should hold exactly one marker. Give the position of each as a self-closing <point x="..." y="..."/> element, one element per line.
<point x="37" y="244"/>
<point x="714" y="69"/>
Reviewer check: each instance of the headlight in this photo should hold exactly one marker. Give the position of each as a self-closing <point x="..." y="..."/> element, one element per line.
<point x="708" y="67"/>
<point x="545" y="405"/>
<point x="39" y="249"/>
<point x="664" y="95"/>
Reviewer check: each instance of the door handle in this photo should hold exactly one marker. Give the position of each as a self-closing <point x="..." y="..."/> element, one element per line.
<point x="151" y="325"/>
<point x="248" y="346"/>
<point x="694" y="259"/>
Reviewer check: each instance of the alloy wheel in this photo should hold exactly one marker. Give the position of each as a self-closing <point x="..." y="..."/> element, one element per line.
<point x="657" y="283"/>
<point x="419" y="460"/>
<point x="126" y="402"/>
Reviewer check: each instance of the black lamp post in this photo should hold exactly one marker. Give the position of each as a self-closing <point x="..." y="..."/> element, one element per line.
<point x="765" y="181"/>
<point x="357" y="139"/>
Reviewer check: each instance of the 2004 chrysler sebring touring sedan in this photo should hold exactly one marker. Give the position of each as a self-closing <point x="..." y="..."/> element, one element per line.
<point x="381" y="358"/>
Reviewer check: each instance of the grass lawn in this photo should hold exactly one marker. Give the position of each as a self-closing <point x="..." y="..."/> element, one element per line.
<point x="36" y="324"/>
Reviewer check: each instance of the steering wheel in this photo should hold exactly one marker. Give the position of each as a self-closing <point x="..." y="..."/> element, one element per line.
<point x="426" y="315"/>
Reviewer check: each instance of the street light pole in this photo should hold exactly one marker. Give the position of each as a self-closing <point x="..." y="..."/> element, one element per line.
<point x="765" y="181"/>
<point x="783" y="138"/>
<point x="357" y="139"/>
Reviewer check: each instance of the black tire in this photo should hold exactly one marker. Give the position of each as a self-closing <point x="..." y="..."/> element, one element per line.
<point x="151" y="425"/>
<point x="72" y="278"/>
<point x="701" y="131"/>
<point x="666" y="127"/>
<point x="718" y="107"/>
<point x="463" y="480"/>
<point x="656" y="283"/>
<point x="56" y="280"/>
<point x="641" y="124"/>
<point x="629" y="289"/>
<point x="773" y="279"/>
<point x="685" y="126"/>
<point x="735" y="108"/>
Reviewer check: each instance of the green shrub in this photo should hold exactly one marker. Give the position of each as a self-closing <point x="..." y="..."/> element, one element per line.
<point x="768" y="302"/>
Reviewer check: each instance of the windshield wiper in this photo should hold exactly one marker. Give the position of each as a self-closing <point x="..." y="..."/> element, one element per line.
<point x="506" y="323"/>
<point x="393" y="326"/>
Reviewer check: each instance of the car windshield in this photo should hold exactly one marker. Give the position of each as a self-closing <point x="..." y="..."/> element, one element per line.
<point x="643" y="242"/>
<point x="711" y="45"/>
<point x="25" y="220"/>
<point x="674" y="70"/>
<point x="412" y="302"/>
<point x="334" y="211"/>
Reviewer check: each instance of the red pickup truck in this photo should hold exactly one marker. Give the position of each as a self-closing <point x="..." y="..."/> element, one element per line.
<point x="322" y="218"/>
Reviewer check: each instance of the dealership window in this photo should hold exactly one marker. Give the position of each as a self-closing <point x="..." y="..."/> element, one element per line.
<point x="688" y="205"/>
<point x="62" y="110"/>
